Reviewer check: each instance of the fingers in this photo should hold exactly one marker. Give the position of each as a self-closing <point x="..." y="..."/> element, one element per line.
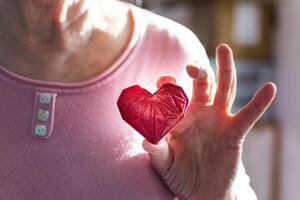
<point x="226" y="87"/>
<point x="202" y="84"/>
<point x="165" y="79"/>
<point x="160" y="155"/>
<point x="247" y="116"/>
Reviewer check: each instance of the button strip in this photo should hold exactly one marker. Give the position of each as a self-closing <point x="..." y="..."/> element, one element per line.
<point x="43" y="114"/>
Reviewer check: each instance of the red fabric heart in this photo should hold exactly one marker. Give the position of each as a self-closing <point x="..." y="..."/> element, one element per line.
<point x="153" y="115"/>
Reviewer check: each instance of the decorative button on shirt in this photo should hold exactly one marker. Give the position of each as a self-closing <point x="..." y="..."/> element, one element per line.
<point x="43" y="115"/>
<point x="40" y="130"/>
<point x="45" y="98"/>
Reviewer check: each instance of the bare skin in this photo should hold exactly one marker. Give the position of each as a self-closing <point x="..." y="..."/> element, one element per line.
<point x="56" y="40"/>
<point x="200" y="157"/>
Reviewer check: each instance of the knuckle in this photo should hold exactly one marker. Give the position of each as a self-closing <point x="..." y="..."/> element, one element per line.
<point x="227" y="68"/>
<point x="256" y="105"/>
<point x="202" y="84"/>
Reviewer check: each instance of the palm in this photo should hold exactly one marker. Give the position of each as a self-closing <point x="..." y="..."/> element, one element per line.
<point x="204" y="148"/>
<point x="211" y="152"/>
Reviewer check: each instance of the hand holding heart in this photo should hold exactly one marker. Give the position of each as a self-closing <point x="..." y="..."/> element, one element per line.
<point x="200" y="156"/>
<point x="152" y="115"/>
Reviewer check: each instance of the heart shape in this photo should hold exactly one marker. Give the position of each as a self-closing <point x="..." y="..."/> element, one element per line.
<point x="153" y="115"/>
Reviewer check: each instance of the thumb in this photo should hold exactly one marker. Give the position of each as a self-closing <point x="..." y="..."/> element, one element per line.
<point x="161" y="155"/>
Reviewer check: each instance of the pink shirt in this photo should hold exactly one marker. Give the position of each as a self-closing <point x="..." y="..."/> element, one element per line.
<point x="67" y="141"/>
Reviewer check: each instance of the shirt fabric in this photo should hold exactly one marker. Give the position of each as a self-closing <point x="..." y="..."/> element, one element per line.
<point x="89" y="152"/>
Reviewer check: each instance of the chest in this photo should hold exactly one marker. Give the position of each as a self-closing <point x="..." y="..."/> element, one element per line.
<point x="91" y="154"/>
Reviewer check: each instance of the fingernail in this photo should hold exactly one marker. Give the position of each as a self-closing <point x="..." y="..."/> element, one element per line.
<point x="150" y="148"/>
<point x="196" y="63"/>
<point x="224" y="50"/>
<point x="202" y="73"/>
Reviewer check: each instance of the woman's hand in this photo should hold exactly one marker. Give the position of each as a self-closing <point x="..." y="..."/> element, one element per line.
<point x="199" y="158"/>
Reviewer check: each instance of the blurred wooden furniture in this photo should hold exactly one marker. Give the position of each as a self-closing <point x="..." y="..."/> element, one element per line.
<point x="247" y="26"/>
<point x="218" y="21"/>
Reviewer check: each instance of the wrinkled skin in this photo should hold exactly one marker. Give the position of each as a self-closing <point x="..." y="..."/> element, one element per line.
<point x="200" y="157"/>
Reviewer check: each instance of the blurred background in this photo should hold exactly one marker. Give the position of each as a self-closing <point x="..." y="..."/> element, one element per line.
<point x="264" y="37"/>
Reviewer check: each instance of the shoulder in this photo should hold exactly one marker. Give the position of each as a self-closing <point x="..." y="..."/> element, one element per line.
<point x="173" y="37"/>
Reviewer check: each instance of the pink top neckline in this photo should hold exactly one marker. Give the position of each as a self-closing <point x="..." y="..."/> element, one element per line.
<point x="86" y="84"/>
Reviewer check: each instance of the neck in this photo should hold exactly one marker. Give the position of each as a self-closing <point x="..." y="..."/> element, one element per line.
<point x="56" y="40"/>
